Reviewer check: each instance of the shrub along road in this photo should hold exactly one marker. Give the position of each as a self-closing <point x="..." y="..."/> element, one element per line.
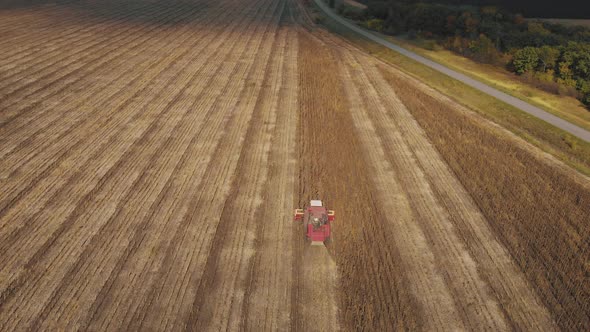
<point x="508" y="99"/>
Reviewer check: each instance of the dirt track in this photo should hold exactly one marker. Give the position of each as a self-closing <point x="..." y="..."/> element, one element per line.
<point x="319" y="279"/>
<point x="152" y="154"/>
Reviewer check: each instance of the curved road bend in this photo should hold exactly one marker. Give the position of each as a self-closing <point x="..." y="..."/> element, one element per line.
<point x="522" y="105"/>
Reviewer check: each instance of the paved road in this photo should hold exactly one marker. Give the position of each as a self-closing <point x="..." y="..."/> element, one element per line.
<point x="524" y="106"/>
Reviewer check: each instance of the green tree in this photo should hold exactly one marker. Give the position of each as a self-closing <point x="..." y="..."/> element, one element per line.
<point x="451" y="24"/>
<point x="491" y="11"/>
<point x="395" y="22"/>
<point x="375" y="24"/>
<point x="519" y="19"/>
<point x="564" y="71"/>
<point x="575" y="60"/>
<point x="548" y="57"/>
<point x="525" y="60"/>
<point x="483" y="48"/>
<point x="378" y="9"/>
<point x="468" y="24"/>
<point x="537" y="28"/>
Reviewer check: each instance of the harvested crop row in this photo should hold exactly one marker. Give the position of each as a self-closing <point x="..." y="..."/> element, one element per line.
<point x="40" y="122"/>
<point x="218" y="304"/>
<point x="51" y="40"/>
<point x="139" y="218"/>
<point x="84" y="135"/>
<point x="266" y="304"/>
<point x="82" y="86"/>
<point x="107" y="90"/>
<point x="192" y="238"/>
<point x="144" y="157"/>
<point x="52" y="79"/>
<point x="45" y="26"/>
<point x="159" y="237"/>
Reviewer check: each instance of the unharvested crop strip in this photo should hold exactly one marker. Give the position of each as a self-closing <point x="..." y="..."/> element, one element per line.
<point x="461" y="273"/>
<point x="518" y="301"/>
<point x="528" y="201"/>
<point x="426" y="282"/>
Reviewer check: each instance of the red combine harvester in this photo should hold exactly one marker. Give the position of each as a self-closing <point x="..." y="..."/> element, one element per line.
<point x="316" y="219"/>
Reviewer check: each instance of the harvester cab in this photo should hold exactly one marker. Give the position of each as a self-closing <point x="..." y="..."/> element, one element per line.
<point x="316" y="220"/>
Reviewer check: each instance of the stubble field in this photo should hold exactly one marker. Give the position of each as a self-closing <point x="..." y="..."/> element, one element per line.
<point x="152" y="153"/>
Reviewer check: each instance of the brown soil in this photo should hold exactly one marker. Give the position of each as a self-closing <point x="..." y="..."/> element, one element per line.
<point x="151" y="157"/>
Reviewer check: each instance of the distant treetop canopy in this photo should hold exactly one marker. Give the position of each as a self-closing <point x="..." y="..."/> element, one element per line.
<point x="530" y="8"/>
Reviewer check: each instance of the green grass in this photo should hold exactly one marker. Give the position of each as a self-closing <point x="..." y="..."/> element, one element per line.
<point x="568" y="108"/>
<point x="571" y="150"/>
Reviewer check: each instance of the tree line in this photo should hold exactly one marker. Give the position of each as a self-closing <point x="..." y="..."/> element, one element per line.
<point x="552" y="56"/>
<point x="530" y="8"/>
